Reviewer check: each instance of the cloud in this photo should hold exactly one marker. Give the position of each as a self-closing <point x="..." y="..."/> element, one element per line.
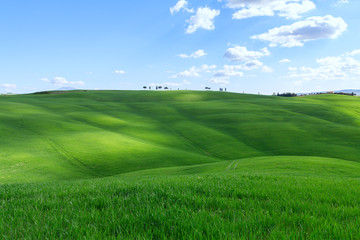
<point x="199" y="53"/>
<point x="45" y="80"/>
<point x="60" y="81"/>
<point x="236" y="70"/>
<point x="119" y="72"/>
<point x="354" y="52"/>
<point x="171" y="84"/>
<point x="241" y="54"/>
<point x="249" y="61"/>
<point x="285" y="60"/>
<point x="341" y="67"/>
<point x="222" y="81"/>
<point x="181" y="4"/>
<point x="312" y="28"/>
<point x="343" y="1"/>
<point x="206" y="67"/>
<point x="8" y="86"/>
<point x="267" y="69"/>
<point x="228" y="71"/>
<point x="290" y="9"/>
<point x="204" y="18"/>
<point x="194" y="71"/>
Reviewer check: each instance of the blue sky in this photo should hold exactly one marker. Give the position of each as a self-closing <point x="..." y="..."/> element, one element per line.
<point x="248" y="46"/>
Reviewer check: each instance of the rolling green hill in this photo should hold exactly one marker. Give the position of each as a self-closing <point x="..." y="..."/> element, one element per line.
<point x="179" y="165"/>
<point x="90" y="134"/>
<point x="255" y="198"/>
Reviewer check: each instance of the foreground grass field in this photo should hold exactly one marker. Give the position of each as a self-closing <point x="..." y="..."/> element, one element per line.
<point x="179" y="165"/>
<point x="257" y="198"/>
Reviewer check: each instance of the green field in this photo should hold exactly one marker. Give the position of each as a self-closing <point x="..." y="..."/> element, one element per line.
<point x="179" y="165"/>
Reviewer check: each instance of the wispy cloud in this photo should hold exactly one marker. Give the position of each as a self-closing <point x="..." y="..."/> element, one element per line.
<point x="291" y="9"/>
<point x="121" y="72"/>
<point x="342" y="67"/>
<point x="7" y="87"/>
<point x="60" y="81"/>
<point x="171" y="84"/>
<point x="285" y="60"/>
<point x="194" y="72"/>
<point x="181" y="4"/>
<point x="199" y="53"/>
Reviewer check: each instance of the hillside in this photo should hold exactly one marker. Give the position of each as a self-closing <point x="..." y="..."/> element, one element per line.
<point x="91" y="134"/>
<point x="255" y="198"/>
<point x="179" y="165"/>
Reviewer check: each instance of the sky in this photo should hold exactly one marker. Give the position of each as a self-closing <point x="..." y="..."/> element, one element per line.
<point x="251" y="46"/>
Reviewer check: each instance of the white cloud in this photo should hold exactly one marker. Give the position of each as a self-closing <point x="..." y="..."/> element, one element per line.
<point x="181" y="4"/>
<point x="222" y="81"/>
<point x="228" y="71"/>
<point x="292" y="68"/>
<point x="119" y="72"/>
<point x="241" y="54"/>
<point x="291" y="9"/>
<point x="45" y="80"/>
<point x="199" y="53"/>
<point x="298" y="83"/>
<point x="236" y="70"/>
<point x="343" y="1"/>
<point x="285" y="60"/>
<point x="267" y="69"/>
<point x="354" y="52"/>
<point x="249" y="61"/>
<point x="60" y="81"/>
<point x="312" y="28"/>
<point x="171" y="84"/>
<point x="342" y="67"/>
<point x="204" y="18"/>
<point x="207" y="68"/>
<point x="194" y="71"/>
<point x="8" y="86"/>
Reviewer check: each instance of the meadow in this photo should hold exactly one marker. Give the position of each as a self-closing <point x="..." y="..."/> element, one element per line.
<point x="179" y="165"/>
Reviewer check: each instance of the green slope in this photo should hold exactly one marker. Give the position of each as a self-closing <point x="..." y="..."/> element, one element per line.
<point x="257" y="198"/>
<point x="293" y="166"/>
<point x="90" y="134"/>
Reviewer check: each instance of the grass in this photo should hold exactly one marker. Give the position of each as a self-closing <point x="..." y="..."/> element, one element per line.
<point x="257" y="198"/>
<point x="179" y="165"/>
<point x="77" y="135"/>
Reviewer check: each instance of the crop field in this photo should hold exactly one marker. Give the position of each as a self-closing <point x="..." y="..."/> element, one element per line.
<point x="179" y="165"/>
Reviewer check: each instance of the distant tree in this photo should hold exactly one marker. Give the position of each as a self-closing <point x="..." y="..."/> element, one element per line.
<point x="159" y="87"/>
<point x="144" y="87"/>
<point x="287" y="94"/>
<point x="207" y="88"/>
<point x="166" y="88"/>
